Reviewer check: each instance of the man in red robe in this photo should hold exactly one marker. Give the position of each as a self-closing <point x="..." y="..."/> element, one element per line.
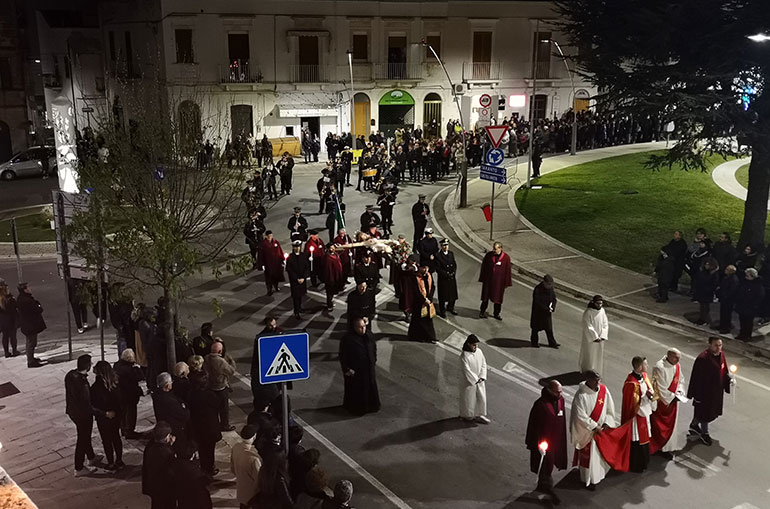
<point x="346" y="256"/>
<point x="709" y="381"/>
<point x="316" y="252"/>
<point x="272" y="259"/>
<point x="547" y="437"/>
<point x="495" y="277"/>
<point x="334" y="278"/>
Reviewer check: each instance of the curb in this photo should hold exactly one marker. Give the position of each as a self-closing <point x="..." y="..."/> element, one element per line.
<point x="462" y="229"/>
<point x="29" y="250"/>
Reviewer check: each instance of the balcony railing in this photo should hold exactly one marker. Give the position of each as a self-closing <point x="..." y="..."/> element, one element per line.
<point x="309" y="74"/>
<point x="481" y="71"/>
<point x="240" y="71"/>
<point x="398" y="71"/>
<point x="543" y="70"/>
<point x="361" y="71"/>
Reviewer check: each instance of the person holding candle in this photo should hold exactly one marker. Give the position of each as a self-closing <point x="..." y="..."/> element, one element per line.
<point x="710" y="379"/>
<point x="271" y="258"/>
<point x="316" y="252"/>
<point x="547" y="437"/>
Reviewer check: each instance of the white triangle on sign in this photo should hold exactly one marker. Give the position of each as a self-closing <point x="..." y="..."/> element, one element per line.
<point x="496" y="133"/>
<point x="284" y="363"/>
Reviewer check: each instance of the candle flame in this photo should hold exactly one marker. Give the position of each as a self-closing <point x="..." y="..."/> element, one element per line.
<point x="543" y="446"/>
<point x="733" y="368"/>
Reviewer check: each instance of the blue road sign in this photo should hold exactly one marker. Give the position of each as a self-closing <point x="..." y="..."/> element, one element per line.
<point x="495" y="157"/>
<point x="493" y="174"/>
<point x="284" y="358"/>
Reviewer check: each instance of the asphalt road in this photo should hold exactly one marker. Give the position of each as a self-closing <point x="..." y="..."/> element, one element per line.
<point x="416" y="453"/>
<point x="26" y="192"/>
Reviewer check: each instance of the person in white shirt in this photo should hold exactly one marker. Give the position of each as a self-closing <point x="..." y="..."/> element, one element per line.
<point x="473" y="375"/>
<point x="245" y="464"/>
<point x="592" y="412"/>
<point x="595" y="332"/>
<point x="668" y="384"/>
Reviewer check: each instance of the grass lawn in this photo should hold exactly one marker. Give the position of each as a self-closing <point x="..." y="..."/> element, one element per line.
<point x="619" y="211"/>
<point x="32" y="228"/>
<point x="742" y="175"/>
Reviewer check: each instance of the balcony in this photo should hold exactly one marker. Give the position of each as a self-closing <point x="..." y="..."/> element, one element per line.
<point x="398" y="72"/>
<point x="362" y="72"/>
<point x="240" y="71"/>
<point x="543" y="70"/>
<point x="309" y="74"/>
<point x="481" y="71"/>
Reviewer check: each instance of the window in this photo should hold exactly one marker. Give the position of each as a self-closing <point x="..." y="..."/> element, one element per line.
<point x="360" y="47"/>
<point x="129" y="55"/>
<point x="308" y="50"/>
<point x="541" y="55"/>
<point x="184" y="46"/>
<point x="238" y="47"/>
<point x="434" y="41"/>
<point x="482" y="47"/>
<point x="289" y="130"/>
<point x="540" y="104"/>
<point x="111" y="42"/>
<point x="6" y="77"/>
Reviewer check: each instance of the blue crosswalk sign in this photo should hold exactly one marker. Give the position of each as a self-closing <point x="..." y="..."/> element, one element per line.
<point x="284" y="358"/>
<point x="495" y="157"/>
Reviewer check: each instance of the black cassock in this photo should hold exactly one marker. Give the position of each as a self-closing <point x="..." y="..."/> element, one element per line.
<point x="360" y="305"/>
<point x="543" y="306"/>
<point x="447" y="276"/>
<point x="369" y="274"/>
<point x="421" y="327"/>
<point x="359" y="353"/>
<point x="298" y="267"/>
<point x="427" y="247"/>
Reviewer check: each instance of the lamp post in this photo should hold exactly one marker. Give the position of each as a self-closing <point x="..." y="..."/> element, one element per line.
<point x="759" y="37"/>
<point x="532" y="108"/>
<point x="352" y="101"/>
<point x="573" y="147"/>
<point x="464" y="162"/>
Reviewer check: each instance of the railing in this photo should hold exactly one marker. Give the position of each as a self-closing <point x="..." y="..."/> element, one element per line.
<point x="309" y="74"/>
<point x="543" y="70"/>
<point x="361" y="71"/>
<point x="481" y="71"/>
<point x="239" y="71"/>
<point x="398" y="71"/>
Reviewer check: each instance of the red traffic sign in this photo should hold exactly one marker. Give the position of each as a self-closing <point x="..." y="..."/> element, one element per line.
<point x="496" y="133"/>
<point x="485" y="100"/>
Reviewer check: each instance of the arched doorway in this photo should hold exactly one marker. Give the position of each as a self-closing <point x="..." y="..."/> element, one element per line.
<point x="190" y="135"/>
<point x="241" y="120"/>
<point x="363" y="114"/>
<point x="582" y="100"/>
<point x="6" y="149"/>
<point x="431" y="115"/>
<point x="396" y="110"/>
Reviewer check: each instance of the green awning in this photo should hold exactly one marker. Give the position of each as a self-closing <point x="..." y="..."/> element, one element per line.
<point x="396" y="98"/>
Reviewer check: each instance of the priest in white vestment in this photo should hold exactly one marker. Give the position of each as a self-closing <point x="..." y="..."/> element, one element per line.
<point x="668" y="384"/>
<point x="592" y="411"/>
<point x="595" y="332"/>
<point x="473" y="375"/>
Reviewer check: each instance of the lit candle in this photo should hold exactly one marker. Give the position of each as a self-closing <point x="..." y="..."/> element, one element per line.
<point x="733" y="370"/>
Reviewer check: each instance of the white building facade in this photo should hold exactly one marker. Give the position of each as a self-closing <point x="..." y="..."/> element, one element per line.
<point x="273" y="67"/>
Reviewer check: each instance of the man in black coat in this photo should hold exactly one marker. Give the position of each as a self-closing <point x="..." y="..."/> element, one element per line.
<point x="297" y="226"/>
<point x="369" y="218"/>
<point x="420" y="215"/>
<point x="286" y="171"/>
<point x="158" y="468"/>
<point x="677" y="250"/>
<point x="727" y="292"/>
<point x="298" y="269"/>
<point x="446" y="266"/>
<point x="346" y="162"/>
<point x="387" y="201"/>
<point x="367" y="272"/>
<point x="204" y="420"/>
<point x="358" y="358"/>
<point x="170" y="409"/>
<point x="253" y="230"/>
<point x="361" y="304"/>
<point x="543" y="306"/>
<point x="747" y="302"/>
<point x="80" y="411"/>
<point x="428" y="249"/>
<point x="31" y="322"/>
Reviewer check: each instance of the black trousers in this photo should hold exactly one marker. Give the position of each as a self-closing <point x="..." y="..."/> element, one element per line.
<point x="83" y="448"/>
<point x="387" y="223"/>
<point x="296" y="299"/>
<point x="81" y="313"/>
<point x="31" y="344"/>
<point x="535" y="340"/>
<point x="271" y="191"/>
<point x="109" y="430"/>
<point x="164" y="501"/>
<point x="286" y="186"/>
<point x="9" y="336"/>
<point x="639" y="458"/>
<point x="746" y="326"/>
<point x="206" y="448"/>
<point x="497" y="307"/>
<point x="725" y="316"/>
<point x="419" y="231"/>
<point x="704" y="312"/>
<point x="224" y="407"/>
<point x="253" y="249"/>
<point x="444" y="306"/>
<point x="663" y="291"/>
<point x="128" y="418"/>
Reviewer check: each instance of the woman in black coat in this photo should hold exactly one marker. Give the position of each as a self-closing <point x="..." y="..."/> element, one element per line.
<point x="129" y="375"/>
<point x="747" y="302"/>
<point x="204" y="418"/>
<point x="8" y="320"/>
<point x="105" y="396"/>
<point x="706" y="283"/>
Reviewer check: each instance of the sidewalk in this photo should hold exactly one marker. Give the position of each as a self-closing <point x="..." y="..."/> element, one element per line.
<point x="39" y="440"/>
<point x="534" y="253"/>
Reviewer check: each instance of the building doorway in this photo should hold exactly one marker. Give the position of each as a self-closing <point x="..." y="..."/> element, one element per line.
<point x="539" y="104"/>
<point x="363" y="115"/>
<point x="396" y="57"/>
<point x="312" y="124"/>
<point x="582" y="100"/>
<point x="396" y="111"/>
<point x="241" y="120"/>
<point x="482" y="55"/>
<point x="431" y="115"/>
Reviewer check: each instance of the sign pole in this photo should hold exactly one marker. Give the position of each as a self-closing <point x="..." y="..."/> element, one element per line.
<point x="492" y="213"/>
<point x="15" y="235"/>
<point x="285" y="412"/>
<point x="65" y="265"/>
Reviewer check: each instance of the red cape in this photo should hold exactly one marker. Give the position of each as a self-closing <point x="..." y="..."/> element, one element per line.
<point x="271" y="256"/>
<point x="333" y="276"/>
<point x="547" y="425"/>
<point x="495" y="278"/>
<point x="663" y="419"/>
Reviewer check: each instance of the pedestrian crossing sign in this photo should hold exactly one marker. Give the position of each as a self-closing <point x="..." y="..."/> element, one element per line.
<point x="284" y="358"/>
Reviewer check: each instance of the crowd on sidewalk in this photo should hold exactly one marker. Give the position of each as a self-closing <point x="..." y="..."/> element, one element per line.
<point x="737" y="279"/>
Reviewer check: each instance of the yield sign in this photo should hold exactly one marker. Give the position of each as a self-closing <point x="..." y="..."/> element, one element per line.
<point x="496" y="133"/>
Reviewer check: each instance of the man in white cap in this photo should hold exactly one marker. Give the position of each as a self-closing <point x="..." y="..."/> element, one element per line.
<point x="446" y="266"/>
<point x="428" y="249"/>
<point x="297" y="226"/>
<point x="668" y="384"/>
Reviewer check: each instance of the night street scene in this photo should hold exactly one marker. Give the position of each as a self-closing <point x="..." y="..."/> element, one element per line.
<point x="409" y="254"/>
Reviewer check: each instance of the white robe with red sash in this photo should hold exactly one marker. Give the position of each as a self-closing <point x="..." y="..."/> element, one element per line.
<point x="667" y="381"/>
<point x="590" y="409"/>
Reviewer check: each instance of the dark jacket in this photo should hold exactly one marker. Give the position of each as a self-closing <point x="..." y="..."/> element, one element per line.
<point x="728" y="288"/>
<point x="8" y="320"/>
<point x="129" y="377"/>
<point x="30" y="315"/>
<point x="157" y="469"/>
<point x="204" y="416"/>
<point x="104" y="400"/>
<point x="168" y="407"/>
<point x="182" y="388"/>
<point x="749" y="297"/>
<point x="706" y="283"/>
<point x="191" y="485"/>
<point x="78" y="396"/>
<point x="543" y="306"/>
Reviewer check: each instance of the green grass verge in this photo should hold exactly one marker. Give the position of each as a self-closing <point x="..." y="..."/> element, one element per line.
<point x="619" y="211"/>
<point x="742" y="175"/>
<point x="32" y="228"/>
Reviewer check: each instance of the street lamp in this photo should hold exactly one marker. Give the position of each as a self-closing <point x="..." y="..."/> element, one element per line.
<point x="464" y="162"/>
<point x="352" y="101"/>
<point x="573" y="147"/>
<point x="759" y="37"/>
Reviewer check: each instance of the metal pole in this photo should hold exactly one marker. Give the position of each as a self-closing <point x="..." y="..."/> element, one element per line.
<point x="15" y="236"/>
<point x="285" y="411"/>
<point x="492" y="213"/>
<point x="573" y="147"/>
<point x="352" y="101"/>
<point x="65" y="265"/>
<point x="464" y="162"/>
<point x="100" y="283"/>
<point x="532" y="103"/>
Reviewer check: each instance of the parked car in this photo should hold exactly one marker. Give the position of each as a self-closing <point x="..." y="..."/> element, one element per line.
<point x="28" y="163"/>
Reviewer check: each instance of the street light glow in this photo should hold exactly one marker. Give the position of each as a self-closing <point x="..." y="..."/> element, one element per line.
<point x="759" y="37"/>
